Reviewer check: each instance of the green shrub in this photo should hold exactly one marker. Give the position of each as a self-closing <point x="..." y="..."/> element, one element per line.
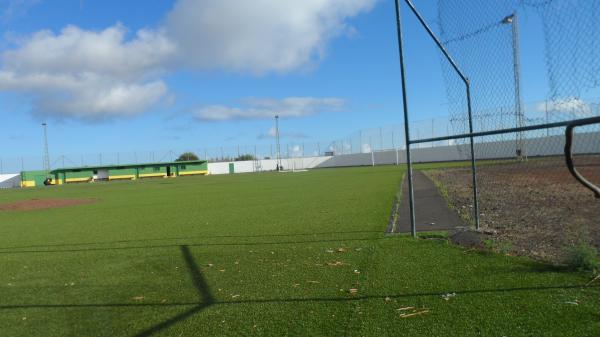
<point x="187" y="156"/>
<point x="245" y="157"/>
<point x="584" y="257"/>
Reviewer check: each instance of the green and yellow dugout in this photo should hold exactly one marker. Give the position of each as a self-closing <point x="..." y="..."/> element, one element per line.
<point x="113" y="172"/>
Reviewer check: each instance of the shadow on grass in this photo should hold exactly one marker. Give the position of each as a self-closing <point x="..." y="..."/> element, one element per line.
<point x="523" y="265"/>
<point x="194" y="245"/>
<point x="301" y="300"/>
<point x="204" y="294"/>
<point x="520" y="264"/>
<point x="205" y="298"/>
<point x="189" y="237"/>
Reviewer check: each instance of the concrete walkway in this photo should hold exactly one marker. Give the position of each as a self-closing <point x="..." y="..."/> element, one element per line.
<point x="431" y="209"/>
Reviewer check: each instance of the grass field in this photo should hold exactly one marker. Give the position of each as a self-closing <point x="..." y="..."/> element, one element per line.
<point x="264" y="255"/>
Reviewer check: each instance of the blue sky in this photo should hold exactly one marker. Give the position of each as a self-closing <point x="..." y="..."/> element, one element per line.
<point x="331" y="69"/>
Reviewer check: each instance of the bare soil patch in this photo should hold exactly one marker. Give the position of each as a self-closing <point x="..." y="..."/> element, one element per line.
<point x="536" y="207"/>
<point x="35" y="204"/>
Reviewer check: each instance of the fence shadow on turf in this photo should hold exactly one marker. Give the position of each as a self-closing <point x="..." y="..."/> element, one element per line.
<point x="199" y="304"/>
<point x="205" y="296"/>
<point x="198" y="244"/>
<point x="188" y="238"/>
<point x="206" y="299"/>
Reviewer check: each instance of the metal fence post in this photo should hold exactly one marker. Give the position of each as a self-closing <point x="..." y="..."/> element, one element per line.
<point x="432" y="130"/>
<point x="473" y="165"/>
<point x="468" y="89"/>
<point x="413" y="227"/>
<point x="372" y="158"/>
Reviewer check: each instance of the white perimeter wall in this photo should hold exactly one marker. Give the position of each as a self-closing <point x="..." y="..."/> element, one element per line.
<point x="266" y="165"/>
<point x="534" y="147"/>
<point x="544" y="146"/>
<point x="10" y="180"/>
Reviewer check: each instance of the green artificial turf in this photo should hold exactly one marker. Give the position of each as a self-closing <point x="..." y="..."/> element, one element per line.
<point x="264" y="255"/>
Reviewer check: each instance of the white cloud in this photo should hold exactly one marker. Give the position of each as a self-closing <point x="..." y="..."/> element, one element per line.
<point x="88" y="75"/>
<point x="255" y="108"/>
<point x="296" y="151"/>
<point x="258" y="36"/>
<point x="13" y="9"/>
<point x="272" y="133"/>
<point x="573" y="106"/>
<point x="366" y="148"/>
<point x="75" y="51"/>
<point x="83" y="74"/>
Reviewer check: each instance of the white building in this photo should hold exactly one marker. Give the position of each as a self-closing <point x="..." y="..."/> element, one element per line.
<point x="10" y="180"/>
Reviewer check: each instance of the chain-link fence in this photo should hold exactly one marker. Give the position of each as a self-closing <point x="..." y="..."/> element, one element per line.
<point x="528" y="182"/>
<point x="385" y="138"/>
<point x="484" y="37"/>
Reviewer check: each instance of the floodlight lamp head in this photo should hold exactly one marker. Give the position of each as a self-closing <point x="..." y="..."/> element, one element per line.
<point x="508" y="20"/>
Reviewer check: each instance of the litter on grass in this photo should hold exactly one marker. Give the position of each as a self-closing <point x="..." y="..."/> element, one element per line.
<point x="414" y="314"/>
<point x="406" y="308"/>
<point x="336" y="263"/>
<point x="593" y="280"/>
<point x="448" y="296"/>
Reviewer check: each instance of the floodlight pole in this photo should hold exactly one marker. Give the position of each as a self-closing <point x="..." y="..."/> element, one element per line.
<point x="513" y="21"/>
<point x="46" y="152"/>
<point x="277" y="143"/>
<point x="405" y="106"/>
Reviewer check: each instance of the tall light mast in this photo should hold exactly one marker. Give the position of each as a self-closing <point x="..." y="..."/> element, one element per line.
<point x="519" y="113"/>
<point x="46" y="152"/>
<point x="277" y="144"/>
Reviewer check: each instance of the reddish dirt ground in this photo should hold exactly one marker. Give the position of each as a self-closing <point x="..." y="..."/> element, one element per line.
<point x="35" y="204"/>
<point x="537" y="207"/>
